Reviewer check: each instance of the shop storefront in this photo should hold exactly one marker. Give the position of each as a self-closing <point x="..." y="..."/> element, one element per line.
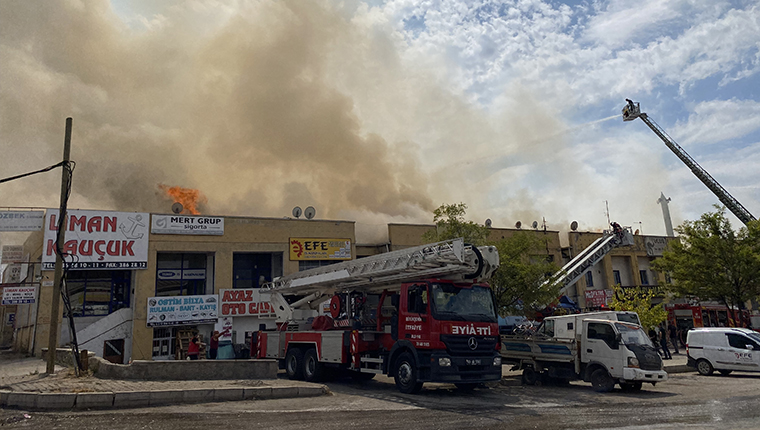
<point x="205" y="274"/>
<point x="103" y="251"/>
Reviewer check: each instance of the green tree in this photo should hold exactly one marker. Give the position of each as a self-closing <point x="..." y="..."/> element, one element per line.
<point x="713" y="262"/>
<point x="450" y="224"/>
<point x="639" y="300"/>
<point x="519" y="284"/>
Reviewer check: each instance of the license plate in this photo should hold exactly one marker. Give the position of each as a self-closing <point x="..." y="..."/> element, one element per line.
<point x="472" y="361"/>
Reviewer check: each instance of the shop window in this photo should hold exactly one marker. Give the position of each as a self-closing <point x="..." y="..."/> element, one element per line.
<point x="616" y="275"/>
<point x="251" y="270"/>
<point x="164" y="347"/>
<point x="589" y="279"/>
<point x="644" y="277"/>
<point x="98" y="292"/>
<point x="313" y="264"/>
<point x="180" y="274"/>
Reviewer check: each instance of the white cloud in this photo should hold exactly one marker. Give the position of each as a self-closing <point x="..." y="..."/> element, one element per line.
<point x="716" y="121"/>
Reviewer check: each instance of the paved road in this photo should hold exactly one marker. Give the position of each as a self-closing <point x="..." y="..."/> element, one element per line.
<point x="686" y="401"/>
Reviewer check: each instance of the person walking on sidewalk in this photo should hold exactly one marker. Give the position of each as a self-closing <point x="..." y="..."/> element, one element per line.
<point x="673" y="333"/>
<point x="655" y="340"/>
<point x="213" y="345"/>
<point x="194" y="348"/>
<point x="664" y="343"/>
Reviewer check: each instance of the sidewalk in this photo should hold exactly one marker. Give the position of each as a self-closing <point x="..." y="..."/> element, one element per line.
<point x="24" y="385"/>
<point x="678" y="363"/>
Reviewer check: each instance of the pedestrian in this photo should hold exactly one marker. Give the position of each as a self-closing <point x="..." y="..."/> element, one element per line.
<point x="655" y="340"/>
<point x="213" y="345"/>
<point x="194" y="347"/>
<point x="673" y="337"/>
<point x="664" y="343"/>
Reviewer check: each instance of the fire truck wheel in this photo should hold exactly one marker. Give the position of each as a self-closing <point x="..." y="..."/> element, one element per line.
<point x="406" y="374"/>
<point x="294" y="363"/>
<point x="313" y="370"/>
<point x="601" y="381"/>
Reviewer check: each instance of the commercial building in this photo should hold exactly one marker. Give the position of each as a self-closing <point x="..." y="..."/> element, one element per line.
<point x="627" y="266"/>
<point x="138" y="280"/>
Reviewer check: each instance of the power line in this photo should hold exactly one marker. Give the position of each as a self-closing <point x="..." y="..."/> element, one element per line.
<point x="46" y="169"/>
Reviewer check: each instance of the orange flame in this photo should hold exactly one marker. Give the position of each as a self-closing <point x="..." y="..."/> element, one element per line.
<point x="188" y="197"/>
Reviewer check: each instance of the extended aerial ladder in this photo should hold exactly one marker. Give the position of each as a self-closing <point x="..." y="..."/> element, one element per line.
<point x="631" y="111"/>
<point x="575" y="268"/>
<point x="450" y="259"/>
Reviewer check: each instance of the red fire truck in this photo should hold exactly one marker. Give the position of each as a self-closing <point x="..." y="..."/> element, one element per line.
<point x="422" y="314"/>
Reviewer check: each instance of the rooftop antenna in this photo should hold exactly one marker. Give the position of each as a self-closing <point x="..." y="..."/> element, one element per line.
<point x="535" y="225"/>
<point x="309" y="212"/>
<point x="574" y="225"/>
<point x="177" y="208"/>
<point x="297" y="212"/>
<point x="488" y="223"/>
<point x="518" y="224"/>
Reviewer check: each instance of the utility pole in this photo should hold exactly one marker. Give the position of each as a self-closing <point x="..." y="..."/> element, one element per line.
<point x="60" y="239"/>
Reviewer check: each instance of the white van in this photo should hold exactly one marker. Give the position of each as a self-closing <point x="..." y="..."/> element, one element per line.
<point x="723" y="349"/>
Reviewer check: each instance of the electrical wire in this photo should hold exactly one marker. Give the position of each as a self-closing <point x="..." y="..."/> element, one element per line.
<point x="46" y="169"/>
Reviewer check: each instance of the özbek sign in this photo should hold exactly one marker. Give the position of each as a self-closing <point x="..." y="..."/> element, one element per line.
<point x="98" y="240"/>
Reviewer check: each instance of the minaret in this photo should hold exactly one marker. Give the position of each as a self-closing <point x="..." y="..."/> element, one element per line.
<point x="663" y="201"/>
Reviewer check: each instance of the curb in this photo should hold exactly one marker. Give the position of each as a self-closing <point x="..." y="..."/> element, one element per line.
<point x="679" y="368"/>
<point x="139" y="399"/>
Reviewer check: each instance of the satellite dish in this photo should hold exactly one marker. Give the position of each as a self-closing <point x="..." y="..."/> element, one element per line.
<point x="297" y="211"/>
<point x="574" y="225"/>
<point x="535" y="224"/>
<point x="518" y="224"/>
<point x="309" y="212"/>
<point x="488" y="223"/>
<point x="177" y="208"/>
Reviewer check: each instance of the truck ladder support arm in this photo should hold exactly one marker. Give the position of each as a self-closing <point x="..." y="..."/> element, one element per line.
<point x="632" y="111"/>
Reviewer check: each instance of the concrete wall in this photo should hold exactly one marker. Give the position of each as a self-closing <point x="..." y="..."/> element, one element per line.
<point x="196" y="370"/>
<point x="117" y="325"/>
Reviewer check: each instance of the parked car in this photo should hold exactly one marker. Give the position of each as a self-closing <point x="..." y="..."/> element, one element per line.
<point x="724" y="349"/>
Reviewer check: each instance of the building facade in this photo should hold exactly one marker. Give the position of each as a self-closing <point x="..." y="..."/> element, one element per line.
<point x="626" y="266"/>
<point x="139" y="280"/>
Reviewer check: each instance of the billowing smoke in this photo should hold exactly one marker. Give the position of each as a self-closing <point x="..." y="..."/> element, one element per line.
<point x="262" y="107"/>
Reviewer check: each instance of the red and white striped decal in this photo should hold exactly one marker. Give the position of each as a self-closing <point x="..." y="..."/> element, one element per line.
<point x="355" y="349"/>
<point x="259" y="352"/>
